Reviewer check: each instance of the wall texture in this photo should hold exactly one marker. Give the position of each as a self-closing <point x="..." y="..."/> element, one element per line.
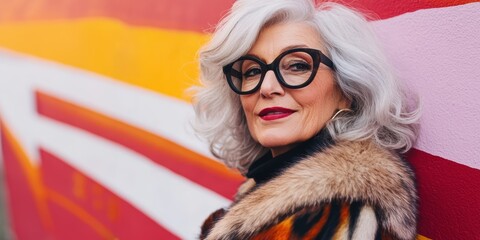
<point x="94" y="116"/>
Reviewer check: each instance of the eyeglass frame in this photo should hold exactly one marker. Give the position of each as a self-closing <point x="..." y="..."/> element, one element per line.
<point x="317" y="57"/>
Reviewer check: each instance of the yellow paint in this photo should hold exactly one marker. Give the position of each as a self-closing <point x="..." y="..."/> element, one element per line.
<point x="113" y="210"/>
<point x="160" y="60"/>
<point x="33" y="177"/>
<point x="420" y="237"/>
<point x="81" y="214"/>
<point x="98" y="197"/>
<point x="79" y="183"/>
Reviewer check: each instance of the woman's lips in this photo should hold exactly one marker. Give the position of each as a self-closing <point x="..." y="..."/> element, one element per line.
<point x="273" y="113"/>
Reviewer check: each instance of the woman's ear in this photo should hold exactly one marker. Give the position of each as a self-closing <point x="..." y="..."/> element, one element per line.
<point x="344" y="102"/>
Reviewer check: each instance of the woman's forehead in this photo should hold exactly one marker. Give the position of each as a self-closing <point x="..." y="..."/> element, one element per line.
<point x="277" y="38"/>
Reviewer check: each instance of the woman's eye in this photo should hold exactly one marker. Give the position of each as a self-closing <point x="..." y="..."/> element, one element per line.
<point x="299" y="66"/>
<point x="252" y="72"/>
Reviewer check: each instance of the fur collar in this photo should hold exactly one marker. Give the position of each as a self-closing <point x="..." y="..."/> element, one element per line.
<point x="347" y="171"/>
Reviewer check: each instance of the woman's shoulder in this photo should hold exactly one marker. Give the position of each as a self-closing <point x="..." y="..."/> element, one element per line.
<point x="347" y="170"/>
<point x="355" y="170"/>
<point x="343" y="176"/>
<point x="360" y="171"/>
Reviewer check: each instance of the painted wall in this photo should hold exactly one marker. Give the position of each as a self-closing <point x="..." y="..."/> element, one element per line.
<point x="94" y="116"/>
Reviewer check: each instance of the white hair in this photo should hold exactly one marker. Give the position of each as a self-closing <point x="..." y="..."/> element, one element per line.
<point x="362" y="74"/>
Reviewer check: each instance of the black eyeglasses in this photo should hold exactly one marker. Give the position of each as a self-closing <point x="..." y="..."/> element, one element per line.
<point x="294" y="68"/>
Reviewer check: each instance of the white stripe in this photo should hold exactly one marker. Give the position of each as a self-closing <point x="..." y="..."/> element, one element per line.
<point x="17" y="108"/>
<point x="366" y="225"/>
<point x="151" y="111"/>
<point x="174" y="202"/>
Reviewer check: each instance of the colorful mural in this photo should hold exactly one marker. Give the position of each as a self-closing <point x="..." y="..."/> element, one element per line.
<point x="94" y="116"/>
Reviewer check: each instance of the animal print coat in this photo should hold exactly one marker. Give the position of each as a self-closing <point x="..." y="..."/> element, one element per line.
<point x="351" y="190"/>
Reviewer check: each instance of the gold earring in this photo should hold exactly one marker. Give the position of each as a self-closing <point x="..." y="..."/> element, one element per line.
<point x="340" y="111"/>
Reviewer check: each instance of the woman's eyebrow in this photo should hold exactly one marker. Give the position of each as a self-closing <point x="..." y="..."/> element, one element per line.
<point x="293" y="46"/>
<point x="281" y="51"/>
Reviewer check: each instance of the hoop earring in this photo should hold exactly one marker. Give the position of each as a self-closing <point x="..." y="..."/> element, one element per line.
<point x="340" y="111"/>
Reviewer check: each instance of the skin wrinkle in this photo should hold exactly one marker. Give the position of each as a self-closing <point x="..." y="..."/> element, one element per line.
<point x="345" y="172"/>
<point x="313" y="105"/>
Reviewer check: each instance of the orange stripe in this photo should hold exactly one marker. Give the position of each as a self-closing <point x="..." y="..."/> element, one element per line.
<point x="321" y="223"/>
<point x="160" y="60"/>
<point x="83" y="114"/>
<point x="202" y="170"/>
<point x="33" y="176"/>
<point x="80" y="213"/>
<point x="281" y="230"/>
<point x="342" y="228"/>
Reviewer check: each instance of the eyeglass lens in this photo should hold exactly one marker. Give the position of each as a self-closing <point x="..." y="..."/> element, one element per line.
<point x="295" y="69"/>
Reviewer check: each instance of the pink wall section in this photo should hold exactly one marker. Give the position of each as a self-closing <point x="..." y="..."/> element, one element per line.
<point x="437" y="54"/>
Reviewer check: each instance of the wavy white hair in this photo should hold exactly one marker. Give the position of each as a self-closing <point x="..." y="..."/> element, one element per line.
<point x="362" y="73"/>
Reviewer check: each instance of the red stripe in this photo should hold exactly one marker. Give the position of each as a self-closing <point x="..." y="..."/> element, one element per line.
<point x="24" y="213"/>
<point x="449" y="197"/>
<point x="120" y="217"/>
<point x="161" y="151"/>
<point x="195" y="15"/>
<point x="68" y="226"/>
<point x="392" y="8"/>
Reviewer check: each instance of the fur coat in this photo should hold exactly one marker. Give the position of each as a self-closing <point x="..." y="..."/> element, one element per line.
<point x="351" y="190"/>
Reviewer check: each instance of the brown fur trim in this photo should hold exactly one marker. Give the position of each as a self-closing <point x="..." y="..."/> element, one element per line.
<point x="244" y="189"/>
<point x="210" y="222"/>
<point x="360" y="171"/>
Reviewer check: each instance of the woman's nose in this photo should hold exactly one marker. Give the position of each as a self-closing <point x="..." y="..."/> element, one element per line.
<point x="271" y="86"/>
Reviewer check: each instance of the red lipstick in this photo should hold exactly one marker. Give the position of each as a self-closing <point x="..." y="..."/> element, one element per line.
<point x="273" y="113"/>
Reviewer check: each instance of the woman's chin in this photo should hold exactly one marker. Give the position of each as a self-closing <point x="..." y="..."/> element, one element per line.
<point x="277" y="140"/>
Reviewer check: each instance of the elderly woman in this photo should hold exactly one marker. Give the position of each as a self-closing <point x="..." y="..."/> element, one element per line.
<point x="301" y="100"/>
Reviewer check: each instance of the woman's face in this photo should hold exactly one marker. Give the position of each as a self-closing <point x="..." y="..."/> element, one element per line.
<point x="278" y="117"/>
